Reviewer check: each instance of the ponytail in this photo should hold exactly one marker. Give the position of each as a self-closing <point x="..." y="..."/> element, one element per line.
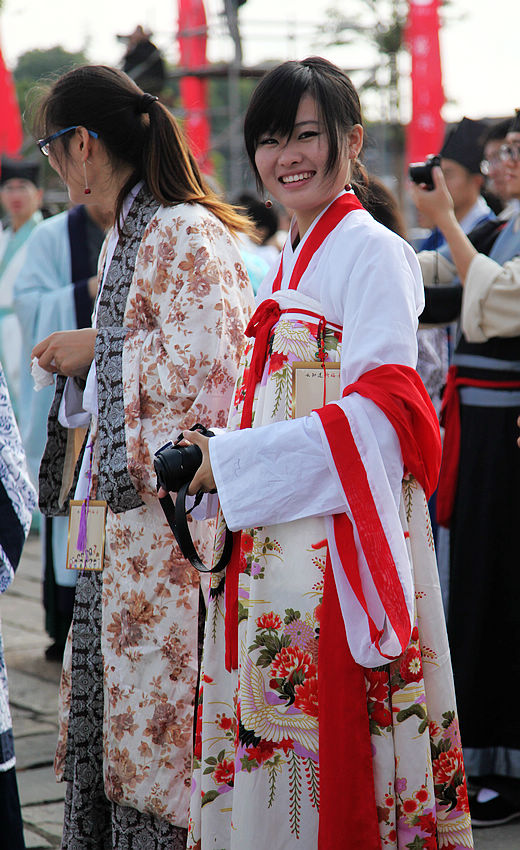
<point x="137" y="131"/>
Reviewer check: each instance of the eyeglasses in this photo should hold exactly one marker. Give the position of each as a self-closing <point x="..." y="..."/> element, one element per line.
<point x="43" y="144"/>
<point x="510" y="152"/>
<point x="488" y="165"/>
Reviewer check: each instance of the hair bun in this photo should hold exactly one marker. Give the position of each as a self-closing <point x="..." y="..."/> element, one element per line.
<point x="145" y="102"/>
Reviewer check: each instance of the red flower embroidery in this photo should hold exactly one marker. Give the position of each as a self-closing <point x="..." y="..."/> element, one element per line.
<point x="462" y="797"/>
<point x="377" y="682"/>
<point x="422" y="794"/>
<point x="269" y="621"/>
<point x="434" y="729"/>
<point x="381" y="715"/>
<point x="262" y="752"/>
<point x="306" y="698"/>
<point x="277" y="362"/>
<point x="224" y="722"/>
<point x="290" y="660"/>
<point x="197" y="750"/>
<point x="410" y="806"/>
<point x="265" y="749"/>
<point x="224" y="773"/>
<point x="428" y="823"/>
<point x="240" y="394"/>
<point x="446" y="765"/>
<point x="246" y="543"/>
<point x="285" y="744"/>
<point x="411" y="665"/>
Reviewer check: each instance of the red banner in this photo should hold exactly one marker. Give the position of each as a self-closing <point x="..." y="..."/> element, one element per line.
<point x="425" y="131"/>
<point x="11" y="135"/>
<point x="193" y="36"/>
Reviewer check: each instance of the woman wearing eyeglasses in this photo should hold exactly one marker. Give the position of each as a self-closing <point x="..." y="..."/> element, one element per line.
<point x="162" y="354"/>
<point x="479" y="491"/>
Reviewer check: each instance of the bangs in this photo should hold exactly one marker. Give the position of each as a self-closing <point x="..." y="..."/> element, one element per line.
<point x="275" y="101"/>
<point x="274" y="104"/>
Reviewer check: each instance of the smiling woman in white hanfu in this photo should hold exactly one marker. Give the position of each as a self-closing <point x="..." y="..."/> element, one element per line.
<point x="327" y="714"/>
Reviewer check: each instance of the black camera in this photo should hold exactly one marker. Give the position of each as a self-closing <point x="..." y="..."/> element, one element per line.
<point x="421" y="172"/>
<point x="176" y="465"/>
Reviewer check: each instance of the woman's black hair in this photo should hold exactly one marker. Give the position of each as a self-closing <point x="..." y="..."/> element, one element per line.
<point x="136" y="130"/>
<point x="274" y="104"/>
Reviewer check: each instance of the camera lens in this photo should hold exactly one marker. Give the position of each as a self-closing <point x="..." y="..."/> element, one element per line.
<point x="175" y="465"/>
<point x="421" y="172"/>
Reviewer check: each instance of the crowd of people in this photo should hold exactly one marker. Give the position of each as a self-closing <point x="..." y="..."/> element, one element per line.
<point x="314" y="664"/>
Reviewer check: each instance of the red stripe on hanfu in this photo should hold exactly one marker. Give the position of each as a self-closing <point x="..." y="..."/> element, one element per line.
<point x="371" y="534"/>
<point x="329" y="220"/>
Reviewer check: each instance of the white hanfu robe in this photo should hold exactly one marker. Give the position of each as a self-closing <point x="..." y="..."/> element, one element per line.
<point x="256" y="779"/>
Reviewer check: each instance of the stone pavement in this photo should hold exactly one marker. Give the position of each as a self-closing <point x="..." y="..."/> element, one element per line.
<point x="33" y="687"/>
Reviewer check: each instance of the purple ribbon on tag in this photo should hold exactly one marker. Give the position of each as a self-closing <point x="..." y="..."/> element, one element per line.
<point x="82" y="531"/>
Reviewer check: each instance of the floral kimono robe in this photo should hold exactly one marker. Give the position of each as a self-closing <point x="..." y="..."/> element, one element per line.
<point x="256" y="782"/>
<point x="170" y="320"/>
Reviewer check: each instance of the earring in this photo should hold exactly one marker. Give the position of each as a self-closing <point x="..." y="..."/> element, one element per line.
<point x="268" y="203"/>
<point x="86" y="190"/>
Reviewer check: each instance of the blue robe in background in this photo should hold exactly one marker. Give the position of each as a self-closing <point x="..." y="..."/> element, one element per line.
<point x="51" y="294"/>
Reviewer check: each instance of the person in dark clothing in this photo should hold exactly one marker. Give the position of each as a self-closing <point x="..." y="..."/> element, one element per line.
<point x="479" y="491"/>
<point x="143" y="61"/>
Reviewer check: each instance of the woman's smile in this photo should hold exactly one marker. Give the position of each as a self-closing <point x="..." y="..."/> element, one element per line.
<point x="301" y="177"/>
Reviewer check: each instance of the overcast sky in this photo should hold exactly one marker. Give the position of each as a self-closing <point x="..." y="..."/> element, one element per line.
<point x="479" y="44"/>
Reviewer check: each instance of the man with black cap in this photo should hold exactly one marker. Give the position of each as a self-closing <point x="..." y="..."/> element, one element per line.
<point x="479" y="491"/>
<point x="21" y="200"/>
<point x="461" y="155"/>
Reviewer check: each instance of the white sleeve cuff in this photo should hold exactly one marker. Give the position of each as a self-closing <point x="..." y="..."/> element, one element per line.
<point x="72" y="413"/>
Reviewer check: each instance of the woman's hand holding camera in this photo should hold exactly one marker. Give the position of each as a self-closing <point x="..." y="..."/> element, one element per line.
<point x="203" y="478"/>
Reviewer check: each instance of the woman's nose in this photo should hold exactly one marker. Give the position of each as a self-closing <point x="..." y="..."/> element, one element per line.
<point x="290" y="154"/>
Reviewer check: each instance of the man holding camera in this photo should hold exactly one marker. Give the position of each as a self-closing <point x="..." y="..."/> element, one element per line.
<point x="460" y="159"/>
<point x="479" y="489"/>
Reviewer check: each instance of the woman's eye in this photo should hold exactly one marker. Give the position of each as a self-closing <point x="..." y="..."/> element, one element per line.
<point x="308" y="134"/>
<point x="267" y="141"/>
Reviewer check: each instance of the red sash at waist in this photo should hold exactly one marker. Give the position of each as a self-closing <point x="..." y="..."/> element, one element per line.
<point x="450" y="419"/>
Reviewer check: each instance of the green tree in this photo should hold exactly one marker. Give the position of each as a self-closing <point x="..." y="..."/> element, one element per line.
<point x="379" y="26"/>
<point x="36" y="66"/>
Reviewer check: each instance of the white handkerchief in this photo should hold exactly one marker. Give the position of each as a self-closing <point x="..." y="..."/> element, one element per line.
<point x="41" y="377"/>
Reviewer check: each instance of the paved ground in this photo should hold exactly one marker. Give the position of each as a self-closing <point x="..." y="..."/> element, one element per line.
<point x="33" y="684"/>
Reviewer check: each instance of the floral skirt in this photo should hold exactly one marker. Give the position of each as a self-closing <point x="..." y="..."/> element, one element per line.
<point x="256" y="783"/>
<point x="92" y="821"/>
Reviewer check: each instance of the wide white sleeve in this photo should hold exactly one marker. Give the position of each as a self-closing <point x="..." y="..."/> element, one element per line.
<point x="436" y="268"/>
<point x="491" y="299"/>
<point x="284" y="471"/>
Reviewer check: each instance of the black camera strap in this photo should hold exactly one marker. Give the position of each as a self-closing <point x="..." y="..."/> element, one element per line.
<point x="176" y="515"/>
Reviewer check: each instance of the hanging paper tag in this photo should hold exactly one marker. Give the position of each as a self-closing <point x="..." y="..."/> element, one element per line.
<point x="313" y="385"/>
<point x="91" y="556"/>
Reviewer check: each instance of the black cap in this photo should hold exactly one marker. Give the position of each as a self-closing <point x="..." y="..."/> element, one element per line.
<point x="514" y="127"/>
<point x="464" y="144"/>
<point x="19" y="169"/>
